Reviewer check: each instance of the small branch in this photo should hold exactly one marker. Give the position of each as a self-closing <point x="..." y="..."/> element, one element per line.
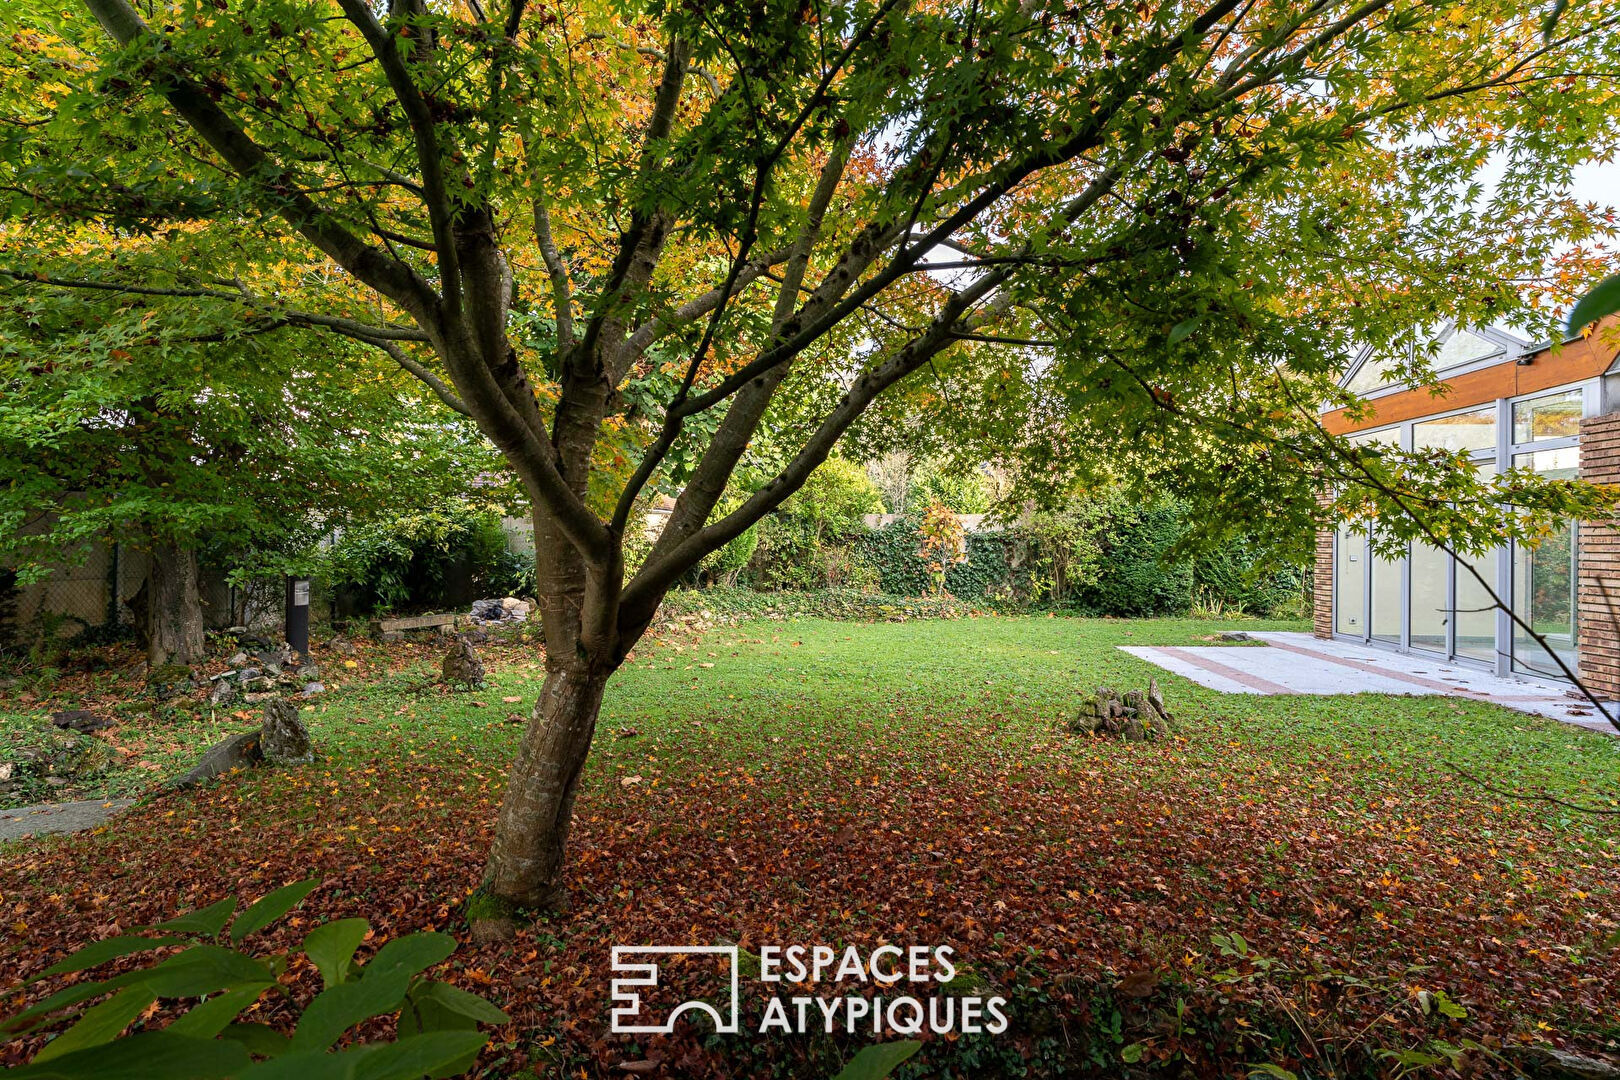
<point x="561" y="291"/>
<point x="1529" y="796"/>
<point x="430" y="380"/>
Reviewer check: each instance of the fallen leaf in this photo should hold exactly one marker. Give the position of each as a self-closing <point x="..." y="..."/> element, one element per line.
<point x="626" y="781"/>
<point x="1139" y="984"/>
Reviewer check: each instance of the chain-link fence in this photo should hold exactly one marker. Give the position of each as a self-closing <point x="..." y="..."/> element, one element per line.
<point x="87" y="596"/>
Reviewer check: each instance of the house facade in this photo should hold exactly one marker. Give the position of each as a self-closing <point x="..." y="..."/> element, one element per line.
<point x="1508" y="404"/>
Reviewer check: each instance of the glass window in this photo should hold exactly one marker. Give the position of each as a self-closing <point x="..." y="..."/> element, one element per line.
<point x="1561" y="464"/>
<point x="1462" y="347"/>
<point x="1369" y="376"/>
<point x="1431" y="573"/>
<point x="1554" y="416"/>
<point x="1350" y="583"/>
<point x="1469" y="431"/>
<point x="1475" y="616"/>
<point x="1544" y="596"/>
<point x="1544" y="577"/>
<point x="1386" y="599"/>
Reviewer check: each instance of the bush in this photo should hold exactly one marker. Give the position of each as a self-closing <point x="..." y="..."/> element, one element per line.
<point x="441" y="558"/>
<point x="894" y="554"/>
<point x="1137" y="574"/>
<point x="808" y="542"/>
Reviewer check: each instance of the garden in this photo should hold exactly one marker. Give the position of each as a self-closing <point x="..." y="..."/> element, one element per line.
<point x="585" y="540"/>
<point x="1294" y="882"/>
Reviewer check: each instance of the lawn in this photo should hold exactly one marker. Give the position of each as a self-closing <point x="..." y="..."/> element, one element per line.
<point x="799" y="780"/>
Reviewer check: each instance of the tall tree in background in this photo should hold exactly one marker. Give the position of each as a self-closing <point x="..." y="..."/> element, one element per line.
<point x="620" y="236"/>
<point x="150" y="422"/>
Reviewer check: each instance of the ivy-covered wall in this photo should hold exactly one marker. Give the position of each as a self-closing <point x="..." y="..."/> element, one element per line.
<point x="1137" y="571"/>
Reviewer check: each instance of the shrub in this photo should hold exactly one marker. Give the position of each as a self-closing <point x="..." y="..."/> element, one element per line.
<point x="944" y="543"/>
<point x="437" y="1030"/>
<point x="1137" y="573"/>
<point x="806" y="544"/>
<point x="445" y="557"/>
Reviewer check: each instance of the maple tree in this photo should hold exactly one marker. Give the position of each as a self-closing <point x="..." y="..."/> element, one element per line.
<point x="623" y="239"/>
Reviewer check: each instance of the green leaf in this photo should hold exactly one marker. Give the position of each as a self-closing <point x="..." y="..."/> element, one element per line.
<point x="71" y="995"/>
<point x="411" y="954"/>
<point x="436" y="1053"/>
<point x="338" y="1008"/>
<point x="270" y="907"/>
<point x="208" y="1019"/>
<point x="314" y="1065"/>
<point x="203" y="969"/>
<point x="330" y="947"/>
<point x="1131" y="1054"/>
<point x="877" y="1062"/>
<point x="466" y="1004"/>
<point x="1604" y="299"/>
<point x="1180" y="331"/>
<point x="1268" y="1069"/>
<point x="150" y="1055"/>
<point x="261" y="1040"/>
<point x="209" y="920"/>
<point x="109" y="949"/>
<point x="101" y="1024"/>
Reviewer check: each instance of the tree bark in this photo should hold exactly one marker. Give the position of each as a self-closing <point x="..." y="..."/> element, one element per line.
<point x="531" y="835"/>
<point x="172" y="622"/>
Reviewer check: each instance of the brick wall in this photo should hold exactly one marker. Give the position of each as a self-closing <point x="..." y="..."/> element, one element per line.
<point x="1599" y="586"/>
<point x="1322" y="583"/>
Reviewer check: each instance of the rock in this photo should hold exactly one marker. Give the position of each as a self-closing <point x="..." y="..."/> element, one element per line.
<point x="308" y="672"/>
<point x="461" y="665"/>
<point x="391" y="635"/>
<point x="312" y="688"/>
<point x="259" y="684"/>
<point x="56" y="781"/>
<point x="1233" y="635"/>
<point x="1136" y="715"/>
<point x="238" y="659"/>
<point x="284" y="740"/>
<point x="260" y="696"/>
<point x="1563" y="1065"/>
<point x="81" y="720"/>
<point x="341" y="645"/>
<point x="224" y="693"/>
<point x="6" y="769"/>
<point x="247" y="673"/>
<point x="235" y="752"/>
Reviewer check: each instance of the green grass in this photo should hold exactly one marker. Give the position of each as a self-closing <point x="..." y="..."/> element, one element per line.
<point x="802" y="779"/>
<point x="764" y="688"/>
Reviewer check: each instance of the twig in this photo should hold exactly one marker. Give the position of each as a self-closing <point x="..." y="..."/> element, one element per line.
<point x="1534" y="796"/>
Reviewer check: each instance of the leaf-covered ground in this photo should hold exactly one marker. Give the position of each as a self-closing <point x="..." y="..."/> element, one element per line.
<point x="786" y="781"/>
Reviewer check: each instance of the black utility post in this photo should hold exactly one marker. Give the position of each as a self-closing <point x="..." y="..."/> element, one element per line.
<point x="298" y="616"/>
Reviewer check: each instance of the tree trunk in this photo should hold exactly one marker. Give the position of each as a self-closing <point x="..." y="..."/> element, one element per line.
<point x="172" y="622"/>
<point x="531" y="834"/>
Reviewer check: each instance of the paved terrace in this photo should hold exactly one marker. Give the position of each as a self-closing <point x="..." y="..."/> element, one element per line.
<point x="1302" y="664"/>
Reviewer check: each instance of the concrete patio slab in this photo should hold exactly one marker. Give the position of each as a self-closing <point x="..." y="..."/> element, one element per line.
<point x="1302" y="664"/>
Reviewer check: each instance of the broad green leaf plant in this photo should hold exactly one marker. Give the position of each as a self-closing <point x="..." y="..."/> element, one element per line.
<point x="101" y="1033"/>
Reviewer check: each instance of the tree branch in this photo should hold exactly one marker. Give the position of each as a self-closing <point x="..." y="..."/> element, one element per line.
<point x="394" y="279"/>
